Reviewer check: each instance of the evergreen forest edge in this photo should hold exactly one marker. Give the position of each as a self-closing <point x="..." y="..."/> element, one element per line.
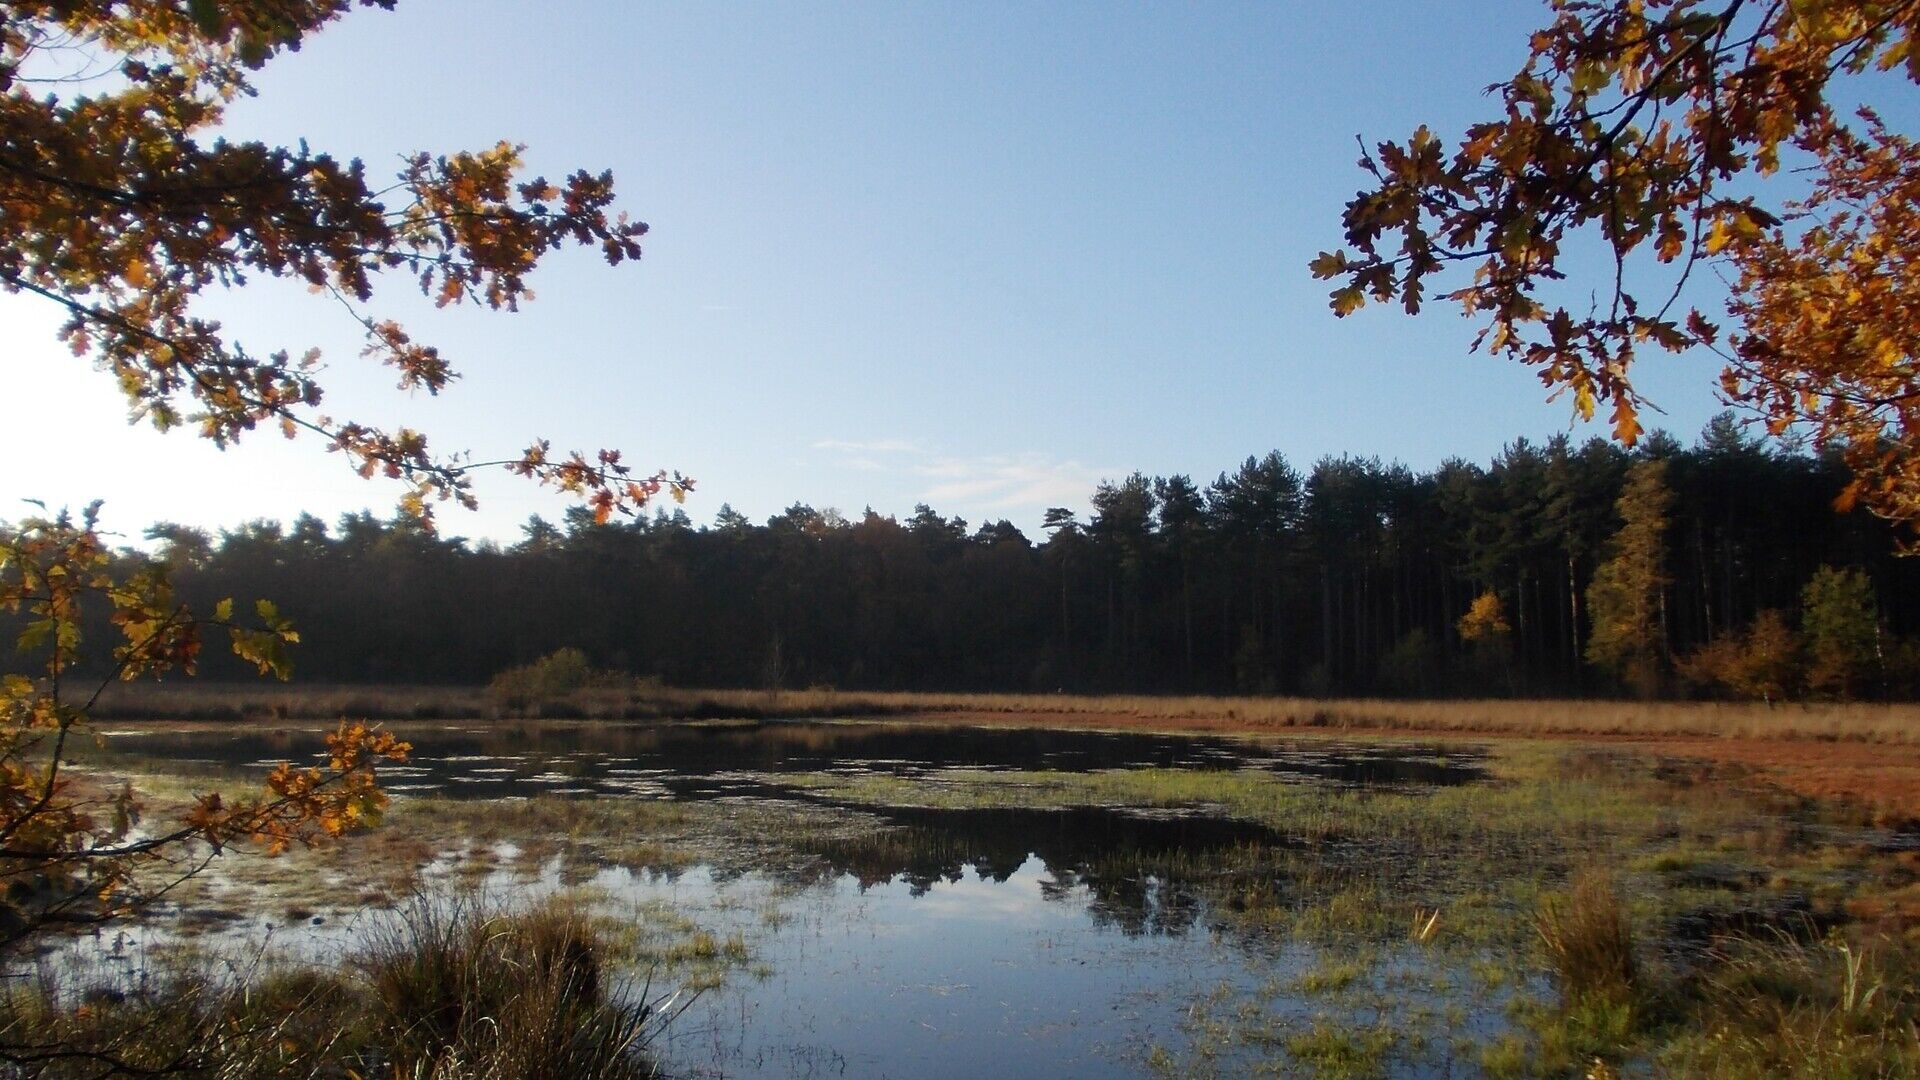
<point x="1352" y="577"/>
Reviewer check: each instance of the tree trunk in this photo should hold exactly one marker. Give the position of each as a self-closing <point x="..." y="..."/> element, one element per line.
<point x="1573" y="615"/>
<point x="1186" y="611"/>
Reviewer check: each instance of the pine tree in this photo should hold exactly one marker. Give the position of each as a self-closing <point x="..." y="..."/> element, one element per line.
<point x="1842" y="627"/>
<point x="1627" y="597"/>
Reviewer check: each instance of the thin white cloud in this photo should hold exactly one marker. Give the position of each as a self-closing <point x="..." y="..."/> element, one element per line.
<point x="1008" y="482"/>
<point x="974" y="483"/>
<point x="877" y="446"/>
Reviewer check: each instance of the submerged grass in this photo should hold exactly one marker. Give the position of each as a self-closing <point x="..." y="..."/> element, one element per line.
<point x="1651" y="965"/>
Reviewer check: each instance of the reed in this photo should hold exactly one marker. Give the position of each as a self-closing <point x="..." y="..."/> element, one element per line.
<point x="447" y="989"/>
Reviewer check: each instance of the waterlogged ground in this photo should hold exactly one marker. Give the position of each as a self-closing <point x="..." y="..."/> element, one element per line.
<point x="700" y="761"/>
<point x="896" y="899"/>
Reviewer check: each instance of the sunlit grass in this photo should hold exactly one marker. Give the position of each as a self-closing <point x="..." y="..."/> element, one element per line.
<point x="1341" y="876"/>
<point x="1850" y="721"/>
<point x="444" y="988"/>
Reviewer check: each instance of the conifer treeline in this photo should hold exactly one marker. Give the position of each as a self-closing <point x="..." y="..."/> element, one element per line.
<point x="1351" y="577"/>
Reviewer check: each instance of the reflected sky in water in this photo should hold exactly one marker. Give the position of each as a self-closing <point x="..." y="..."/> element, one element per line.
<point x="965" y="978"/>
<point x="1005" y="942"/>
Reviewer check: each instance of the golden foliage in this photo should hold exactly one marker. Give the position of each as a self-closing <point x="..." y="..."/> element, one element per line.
<point x="72" y="852"/>
<point x="1485" y="620"/>
<point x="1762" y="663"/>
<point x="1833" y="316"/>
<point x="1644" y="122"/>
<point x="116" y="207"/>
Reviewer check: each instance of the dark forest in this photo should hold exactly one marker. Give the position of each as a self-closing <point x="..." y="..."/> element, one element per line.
<point x="1348" y="577"/>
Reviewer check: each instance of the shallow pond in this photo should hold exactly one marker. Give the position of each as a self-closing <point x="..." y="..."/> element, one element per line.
<point x="706" y="760"/>
<point x="926" y="941"/>
<point x="1025" y="974"/>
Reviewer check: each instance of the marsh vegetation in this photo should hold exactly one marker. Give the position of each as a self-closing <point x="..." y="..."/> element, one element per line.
<point x="872" y="894"/>
<point x="1878" y="722"/>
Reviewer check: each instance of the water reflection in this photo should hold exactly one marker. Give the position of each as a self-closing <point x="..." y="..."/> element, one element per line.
<point x="1132" y="869"/>
<point x="962" y="978"/>
<point x="1021" y="976"/>
<point x="693" y="761"/>
<point x="917" y="941"/>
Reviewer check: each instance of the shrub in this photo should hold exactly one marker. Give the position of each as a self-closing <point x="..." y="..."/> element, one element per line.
<point x="555" y="676"/>
<point x="1762" y="663"/>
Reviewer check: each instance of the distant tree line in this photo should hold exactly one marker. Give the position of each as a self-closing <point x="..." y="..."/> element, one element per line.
<point x="1563" y="568"/>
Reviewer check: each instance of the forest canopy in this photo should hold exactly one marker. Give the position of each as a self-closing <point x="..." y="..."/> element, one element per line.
<point x="1349" y="576"/>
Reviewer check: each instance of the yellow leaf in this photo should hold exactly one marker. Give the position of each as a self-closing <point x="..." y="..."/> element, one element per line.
<point x="1626" y="424"/>
<point x="1718" y="236"/>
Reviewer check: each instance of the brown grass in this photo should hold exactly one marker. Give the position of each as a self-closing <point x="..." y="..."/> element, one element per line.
<point x="1865" y="755"/>
<point x="1586" y="935"/>
<point x="445" y="990"/>
<point x="1830" y="721"/>
<point x="1820" y="721"/>
<point x="299" y="701"/>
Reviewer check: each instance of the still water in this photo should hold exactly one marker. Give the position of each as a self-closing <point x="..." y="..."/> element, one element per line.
<point x="691" y="761"/>
<point x="1004" y="941"/>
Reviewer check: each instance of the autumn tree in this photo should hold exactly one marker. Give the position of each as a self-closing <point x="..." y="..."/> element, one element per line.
<point x="1487" y="634"/>
<point x="1485" y="621"/>
<point x="122" y="208"/>
<point x="1647" y="126"/>
<point x="1842" y="630"/>
<point x="1761" y="663"/>
<point x="1579" y="489"/>
<point x="1627" y="598"/>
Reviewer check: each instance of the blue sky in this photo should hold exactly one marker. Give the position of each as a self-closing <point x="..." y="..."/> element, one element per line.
<point x="978" y="256"/>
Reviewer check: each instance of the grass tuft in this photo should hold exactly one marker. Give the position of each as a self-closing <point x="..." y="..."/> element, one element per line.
<point x="445" y="990"/>
<point x="1589" y="940"/>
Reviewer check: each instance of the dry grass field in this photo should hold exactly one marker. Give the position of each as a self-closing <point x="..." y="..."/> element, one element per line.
<point x="1864" y="753"/>
<point x="1877" y="723"/>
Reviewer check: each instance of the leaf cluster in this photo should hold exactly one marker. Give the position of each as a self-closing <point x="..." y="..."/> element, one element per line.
<point x="75" y="850"/>
<point x="1642" y="123"/>
<point x="119" y="207"/>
